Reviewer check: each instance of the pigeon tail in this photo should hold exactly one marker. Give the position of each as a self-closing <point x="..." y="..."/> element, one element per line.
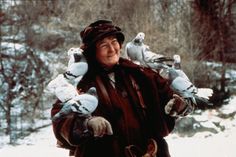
<point x="202" y="102"/>
<point x="205" y="93"/>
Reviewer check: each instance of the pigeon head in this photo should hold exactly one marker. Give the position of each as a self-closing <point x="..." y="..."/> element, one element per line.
<point x="99" y="30"/>
<point x="73" y="51"/>
<point x="177" y="61"/>
<point x="177" y="58"/>
<point x="77" y="65"/>
<point x="139" y="37"/>
<point x="75" y="55"/>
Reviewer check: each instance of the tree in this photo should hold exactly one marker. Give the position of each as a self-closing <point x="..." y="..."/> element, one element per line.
<point x="214" y="22"/>
<point x="23" y="72"/>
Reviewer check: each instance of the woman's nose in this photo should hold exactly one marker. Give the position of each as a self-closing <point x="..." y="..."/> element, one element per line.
<point x="111" y="48"/>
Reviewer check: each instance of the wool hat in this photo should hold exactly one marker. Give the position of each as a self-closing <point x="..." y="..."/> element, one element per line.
<point x="99" y="30"/>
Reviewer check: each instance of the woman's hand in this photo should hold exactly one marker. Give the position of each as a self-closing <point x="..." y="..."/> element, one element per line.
<point x="177" y="106"/>
<point x="100" y="126"/>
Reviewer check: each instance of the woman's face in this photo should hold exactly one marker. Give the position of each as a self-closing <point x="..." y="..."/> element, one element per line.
<point x="108" y="51"/>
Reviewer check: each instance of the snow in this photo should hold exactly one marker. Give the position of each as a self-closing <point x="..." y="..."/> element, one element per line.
<point x="202" y="144"/>
<point x="206" y="144"/>
<point x="219" y="145"/>
<point x="11" y="47"/>
<point x="39" y="144"/>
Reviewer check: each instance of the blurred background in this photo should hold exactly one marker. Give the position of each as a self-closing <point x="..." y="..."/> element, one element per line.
<point x="36" y="35"/>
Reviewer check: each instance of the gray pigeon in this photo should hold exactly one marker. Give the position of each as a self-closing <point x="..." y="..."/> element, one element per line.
<point x="62" y="86"/>
<point x="177" y="66"/>
<point x="77" y="65"/>
<point x="83" y="105"/>
<point x="181" y="84"/>
<point x="140" y="53"/>
<point x="201" y="92"/>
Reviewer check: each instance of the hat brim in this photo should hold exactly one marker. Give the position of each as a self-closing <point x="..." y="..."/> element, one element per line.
<point x="120" y="36"/>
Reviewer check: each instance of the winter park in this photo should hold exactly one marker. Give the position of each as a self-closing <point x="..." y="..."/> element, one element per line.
<point x="189" y="43"/>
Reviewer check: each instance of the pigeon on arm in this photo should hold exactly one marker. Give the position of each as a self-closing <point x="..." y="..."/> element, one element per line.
<point x="139" y="53"/>
<point x="181" y="84"/>
<point x="83" y="104"/>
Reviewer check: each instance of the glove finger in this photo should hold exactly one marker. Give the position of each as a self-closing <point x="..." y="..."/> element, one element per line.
<point x="102" y="128"/>
<point x="176" y="96"/>
<point x="94" y="124"/>
<point x="95" y="130"/>
<point x="178" y="99"/>
<point x="109" y="130"/>
<point x="169" y="106"/>
<point x="180" y="103"/>
<point x="173" y="113"/>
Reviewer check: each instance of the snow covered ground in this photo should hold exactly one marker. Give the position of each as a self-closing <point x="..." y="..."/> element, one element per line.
<point x="38" y="144"/>
<point x="219" y="145"/>
<point x="205" y="144"/>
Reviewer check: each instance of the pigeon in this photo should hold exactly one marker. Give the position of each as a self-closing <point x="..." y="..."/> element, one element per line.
<point x="77" y="64"/>
<point x="177" y="66"/>
<point x="177" y="61"/>
<point x="61" y="87"/>
<point x="140" y="53"/>
<point x="181" y="84"/>
<point x="201" y="92"/>
<point x="83" y="104"/>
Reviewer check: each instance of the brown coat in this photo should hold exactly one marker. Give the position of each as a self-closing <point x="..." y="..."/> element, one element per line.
<point x="133" y="122"/>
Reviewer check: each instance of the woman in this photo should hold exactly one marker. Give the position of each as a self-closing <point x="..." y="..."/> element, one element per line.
<point x="130" y="119"/>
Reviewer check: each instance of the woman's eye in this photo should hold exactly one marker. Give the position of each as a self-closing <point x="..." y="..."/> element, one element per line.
<point x="103" y="45"/>
<point x="115" y="41"/>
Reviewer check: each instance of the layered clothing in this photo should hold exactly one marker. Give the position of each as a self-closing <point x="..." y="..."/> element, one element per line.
<point x="132" y="99"/>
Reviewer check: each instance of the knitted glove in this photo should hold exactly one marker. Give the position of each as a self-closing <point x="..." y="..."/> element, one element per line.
<point x="99" y="125"/>
<point x="178" y="106"/>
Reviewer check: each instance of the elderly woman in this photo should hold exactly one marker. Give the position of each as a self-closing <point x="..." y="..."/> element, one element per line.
<point x="130" y="119"/>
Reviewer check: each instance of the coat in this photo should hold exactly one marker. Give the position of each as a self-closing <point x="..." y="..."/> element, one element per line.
<point x="135" y="109"/>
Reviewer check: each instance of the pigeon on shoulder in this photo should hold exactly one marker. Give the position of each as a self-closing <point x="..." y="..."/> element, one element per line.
<point x="140" y="53"/>
<point x="72" y="101"/>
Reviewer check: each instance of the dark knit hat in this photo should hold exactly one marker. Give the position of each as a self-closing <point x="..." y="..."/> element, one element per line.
<point x="99" y="30"/>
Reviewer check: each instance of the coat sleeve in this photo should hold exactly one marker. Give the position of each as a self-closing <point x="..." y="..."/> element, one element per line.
<point x="69" y="130"/>
<point x="165" y="93"/>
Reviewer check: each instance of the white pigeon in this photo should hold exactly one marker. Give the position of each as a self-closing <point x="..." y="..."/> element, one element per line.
<point x="177" y="66"/>
<point x="77" y="64"/>
<point x="72" y="101"/>
<point x="61" y="87"/>
<point x="181" y="84"/>
<point x="140" y="53"/>
<point x="201" y="92"/>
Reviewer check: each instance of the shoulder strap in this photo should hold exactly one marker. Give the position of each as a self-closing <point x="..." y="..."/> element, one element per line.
<point x="136" y="87"/>
<point x="103" y="90"/>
